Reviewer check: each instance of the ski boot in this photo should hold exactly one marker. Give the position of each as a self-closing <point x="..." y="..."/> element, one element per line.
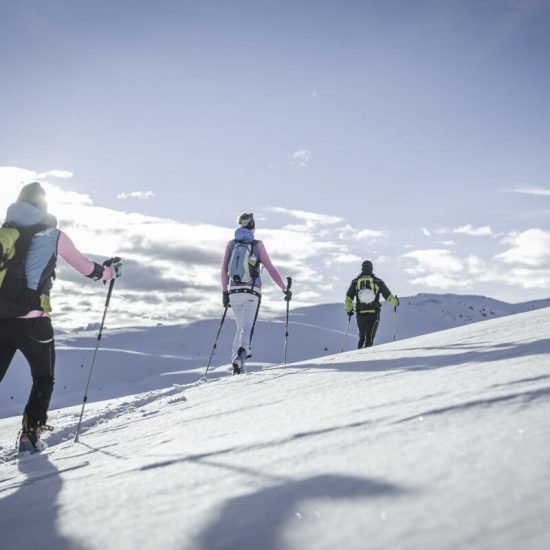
<point x="238" y="361"/>
<point x="29" y="438"/>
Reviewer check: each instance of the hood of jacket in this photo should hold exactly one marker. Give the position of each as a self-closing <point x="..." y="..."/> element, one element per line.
<point x="243" y="234"/>
<point x="25" y="214"/>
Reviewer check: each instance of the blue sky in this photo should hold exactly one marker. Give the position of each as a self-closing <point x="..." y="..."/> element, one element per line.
<point x="414" y="133"/>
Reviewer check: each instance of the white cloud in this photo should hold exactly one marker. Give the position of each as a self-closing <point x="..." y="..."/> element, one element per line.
<point x="13" y="178"/>
<point x="136" y="195"/>
<point x="440" y="281"/>
<point x="476" y="266"/>
<point x="58" y="197"/>
<point x="435" y="259"/>
<point x="532" y="190"/>
<point x="348" y="232"/>
<point x="525" y="264"/>
<point x="299" y="158"/>
<point x="436" y="268"/>
<point x="530" y="248"/>
<point x="473" y="231"/>
<point x="59" y="174"/>
<point x="467" y="229"/>
<point x="311" y="219"/>
<point x="344" y="259"/>
<point x="426" y="232"/>
<point x="12" y="175"/>
<point x="383" y="259"/>
<point x="368" y="234"/>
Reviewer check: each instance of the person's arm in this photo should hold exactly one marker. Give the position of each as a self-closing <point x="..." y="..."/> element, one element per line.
<point x="350" y="295"/>
<point x="225" y="266"/>
<point x="68" y="251"/>
<point x="385" y="291"/>
<point x="264" y="259"/>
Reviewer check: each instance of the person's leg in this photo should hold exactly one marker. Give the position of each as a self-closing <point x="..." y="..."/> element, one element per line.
<point x="36" y="342"/>
<point x="251" y="307"/>
<point x="371" y="328"/>
<point x="7" y="349"/>
<point x="237" y="308"/>
<point x="361" y="327"/>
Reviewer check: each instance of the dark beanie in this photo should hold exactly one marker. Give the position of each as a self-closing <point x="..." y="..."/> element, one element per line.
<point x="247" y="221"/>
<point x="366" y="267"/>
<point x="34" y="194"/>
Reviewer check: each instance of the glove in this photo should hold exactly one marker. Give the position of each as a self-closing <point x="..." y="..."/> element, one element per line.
<point x="226" y="299"/>
<point x="116" y="266"/>
<point x="288" y="295"/>
<point x="350" y="313"/>
<point x="393" y="300"/>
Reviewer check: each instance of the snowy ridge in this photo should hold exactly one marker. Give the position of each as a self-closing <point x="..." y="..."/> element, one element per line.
<point x="423" y="313"/>
<point x="434" y="442"/>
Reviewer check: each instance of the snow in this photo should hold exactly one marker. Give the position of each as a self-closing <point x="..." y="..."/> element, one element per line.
<point x="439" y="441"/>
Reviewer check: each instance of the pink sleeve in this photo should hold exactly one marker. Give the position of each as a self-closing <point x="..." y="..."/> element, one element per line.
<point x="264" y="259"/>
<point x="68" y="251"/>
<point x="225" y="267"/>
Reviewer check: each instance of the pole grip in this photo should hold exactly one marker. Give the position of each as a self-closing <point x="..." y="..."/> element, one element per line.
<point x="288" y="283"/>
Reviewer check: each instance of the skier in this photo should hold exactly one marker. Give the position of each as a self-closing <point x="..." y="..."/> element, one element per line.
<point x="242" y="285"/>
<point x="366" y="289"/>
<point x="30" y="330"/>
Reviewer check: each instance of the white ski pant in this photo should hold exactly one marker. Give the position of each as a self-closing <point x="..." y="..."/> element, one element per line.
<point x="244" y="306"/>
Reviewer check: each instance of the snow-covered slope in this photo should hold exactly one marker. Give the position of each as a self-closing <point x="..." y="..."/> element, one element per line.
<point x="435" y="442"/>
<point x="164" y="355"/>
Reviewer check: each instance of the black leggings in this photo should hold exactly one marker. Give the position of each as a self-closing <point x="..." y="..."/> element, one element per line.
<point x="34" y="339"/>
<point x="367" y="323"/>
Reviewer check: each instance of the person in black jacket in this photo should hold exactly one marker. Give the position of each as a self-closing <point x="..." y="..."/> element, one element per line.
<point x="366" y="289"/>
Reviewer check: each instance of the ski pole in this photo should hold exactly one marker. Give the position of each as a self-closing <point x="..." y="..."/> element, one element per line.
<point x="107" y="300"/>
<point x="255" y="319"/>
<point x="215" y="343"/>
<point x="346" y="334"/>
<point x="394" y="321"/>
<point x="288" y="285"/>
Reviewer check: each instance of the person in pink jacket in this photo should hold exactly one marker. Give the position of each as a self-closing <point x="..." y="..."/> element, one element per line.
<point x="25" y="322"/>
<point x="242" y="285"/>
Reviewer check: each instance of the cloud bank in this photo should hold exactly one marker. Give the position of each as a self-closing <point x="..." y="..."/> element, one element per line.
<point x="172" y="268"/>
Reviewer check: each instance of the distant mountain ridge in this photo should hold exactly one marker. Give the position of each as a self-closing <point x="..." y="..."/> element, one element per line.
<point x="420" y="314"/>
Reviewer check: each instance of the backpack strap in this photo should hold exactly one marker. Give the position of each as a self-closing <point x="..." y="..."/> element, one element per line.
<point x="253" y="243"/>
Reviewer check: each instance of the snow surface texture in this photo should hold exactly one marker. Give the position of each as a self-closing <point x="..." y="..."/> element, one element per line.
<point x="435" y="442"/>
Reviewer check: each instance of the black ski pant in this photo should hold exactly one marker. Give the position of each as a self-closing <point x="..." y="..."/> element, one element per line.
<point x="367" y="323"/>
<point x="34" y="338"/>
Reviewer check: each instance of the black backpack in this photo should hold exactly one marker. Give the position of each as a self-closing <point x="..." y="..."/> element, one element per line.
<point x="367" y="291"/>
<point x="16" y="299"/>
